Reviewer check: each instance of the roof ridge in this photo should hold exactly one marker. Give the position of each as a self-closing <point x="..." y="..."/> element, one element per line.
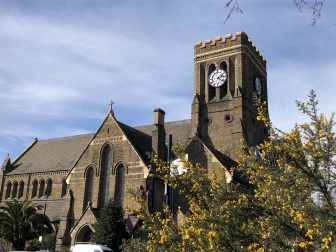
<point x="25" y="151"/>
<point x="183" y="120"/>
<point x="135" y="129"/>
<point x="57" y="138"/>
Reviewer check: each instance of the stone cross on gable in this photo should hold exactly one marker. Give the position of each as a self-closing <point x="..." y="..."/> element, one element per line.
<point x="111" y="106"/>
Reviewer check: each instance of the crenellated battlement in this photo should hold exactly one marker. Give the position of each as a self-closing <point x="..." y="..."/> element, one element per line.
<point x="226" y="42"/>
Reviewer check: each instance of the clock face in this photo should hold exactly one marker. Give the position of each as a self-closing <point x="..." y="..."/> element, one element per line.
<point x="217" y="78"/>
<point x="258" y="86"/>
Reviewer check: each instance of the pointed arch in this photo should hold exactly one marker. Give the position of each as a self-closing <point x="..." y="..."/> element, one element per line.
<point x="84" y="234"/>
<point x="106" y="160"/>
<point x="49" y="187"/>
<point x="41" y="190"/>
<point x="15" y="189"/>
<point x="224" y="89"/>
<point x="89" y="175"/>
<point x="34" y="189"/>
<point x="119" y="163"/>
<point x="64" y="187"/>
<point x="211" y="90"/>
<point x="254" y="77"/>
<point x="21" y="189"/>
<point x="8" y="189"/>
<point x="119" y="190"/>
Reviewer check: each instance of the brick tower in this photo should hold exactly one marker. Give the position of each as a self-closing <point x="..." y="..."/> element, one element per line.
<point x="229" y="80"/>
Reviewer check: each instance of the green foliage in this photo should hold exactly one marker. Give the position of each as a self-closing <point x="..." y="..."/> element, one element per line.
<point x="110" y="227"/>
<point x="287" y="203"/>
<point x="49" y="241"/>
<point x="133" y="245"/>
<point x="5" y="245"/>
<point x="20" y="221"/>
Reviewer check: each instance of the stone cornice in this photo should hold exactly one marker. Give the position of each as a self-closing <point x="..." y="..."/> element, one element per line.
<point x="36" y="174"/>
<point x="203" y="57"/>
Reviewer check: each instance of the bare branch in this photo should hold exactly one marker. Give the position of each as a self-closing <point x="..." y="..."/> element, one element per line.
<point x="315" y="6"/>
<point x="233" y="6"/>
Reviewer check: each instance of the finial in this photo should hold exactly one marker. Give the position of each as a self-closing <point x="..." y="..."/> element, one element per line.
<point x="199" y="43"/>
<point x="111" y="106"/>
<point x="7" y="155"/>
<point x="228" y="36"/>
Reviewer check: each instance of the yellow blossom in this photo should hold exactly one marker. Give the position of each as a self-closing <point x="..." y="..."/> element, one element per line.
<point x="309" y="234"/>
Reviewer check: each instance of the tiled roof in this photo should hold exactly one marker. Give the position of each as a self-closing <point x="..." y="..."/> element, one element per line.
<point x="225" y="160"/>
<point x="140" y="141"/>
<point x="181" y="130"/>
<point x="54" y="208"/>
<point x="62" y="153"/>
<point x="51" y="155"/>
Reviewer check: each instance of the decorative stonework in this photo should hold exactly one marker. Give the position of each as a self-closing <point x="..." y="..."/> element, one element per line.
<point x="220" y="117"/>
<point x="106" y="139"/>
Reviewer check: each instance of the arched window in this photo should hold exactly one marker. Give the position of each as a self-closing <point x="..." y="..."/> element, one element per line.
<point x="15" y="189"/>
<point x="41" y="191"/>
<point x="104" y="181"/>
<point x="49" y="188"/>
<point x="120" y="184"/>
<point x="21" y="189"/>
<point x="212" y="90"/>
<point x="223" y="89"/>
<point x="8" y="190"/>
<point x="34" y="190"/>
<point x="84" y="235"/>
<point x="88" y="187"/>
<point x="64" y="188"/>
<point x="253" y="83"/>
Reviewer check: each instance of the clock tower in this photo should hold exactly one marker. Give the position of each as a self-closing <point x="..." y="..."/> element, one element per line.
<point x="229" y="81"/>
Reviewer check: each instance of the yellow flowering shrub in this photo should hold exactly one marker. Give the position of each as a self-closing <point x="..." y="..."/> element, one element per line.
<point x="281" y="199"/>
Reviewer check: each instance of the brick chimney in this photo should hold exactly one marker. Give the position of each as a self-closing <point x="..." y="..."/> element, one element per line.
<point x="155" y="186"/>
<point x="159" y="135"/>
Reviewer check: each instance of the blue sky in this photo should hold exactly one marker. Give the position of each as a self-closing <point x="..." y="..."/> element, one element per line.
<point x="63" y="61"/>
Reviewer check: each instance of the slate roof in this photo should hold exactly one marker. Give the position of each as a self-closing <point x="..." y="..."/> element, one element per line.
<point x="51" y="155"/>
<point x="225" y="160"/>
<point x="181" y="130"/>
<point x="141" y="141"/>
<point x="61" y="154"/>
<point x="54" y="208"/>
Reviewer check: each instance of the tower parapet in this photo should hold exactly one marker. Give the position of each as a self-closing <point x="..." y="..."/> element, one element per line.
<point x="229" y="76"/>
<point x="228" y="44"/>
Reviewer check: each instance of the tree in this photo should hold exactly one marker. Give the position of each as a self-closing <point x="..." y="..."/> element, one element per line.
<point x="133" y="245"/>
<point x="111" y="226"/>
<point x="315" y="6"/>
<point x="20" y="221"/>
<point x="281" y="197"/>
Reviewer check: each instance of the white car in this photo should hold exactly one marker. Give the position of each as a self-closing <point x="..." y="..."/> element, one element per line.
<point x="90" y="248"/>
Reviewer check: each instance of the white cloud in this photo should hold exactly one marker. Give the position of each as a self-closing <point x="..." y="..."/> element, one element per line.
<point x="62" y="62"/>
<point x="291" y="81"/>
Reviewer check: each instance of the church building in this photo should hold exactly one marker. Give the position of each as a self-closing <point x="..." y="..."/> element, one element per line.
<point x="75" y="176"/>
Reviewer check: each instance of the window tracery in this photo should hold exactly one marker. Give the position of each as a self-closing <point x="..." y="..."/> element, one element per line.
<point x="104" y="181"/>
<point x="119" y="184"/>
<point x="34" y="189"/>
<point x="8" y="190"/>
<point x="88" y="187"/>
<point x="41" y="190"/>
<point x="21" y="189"/>
<point x="15" y="189"/>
